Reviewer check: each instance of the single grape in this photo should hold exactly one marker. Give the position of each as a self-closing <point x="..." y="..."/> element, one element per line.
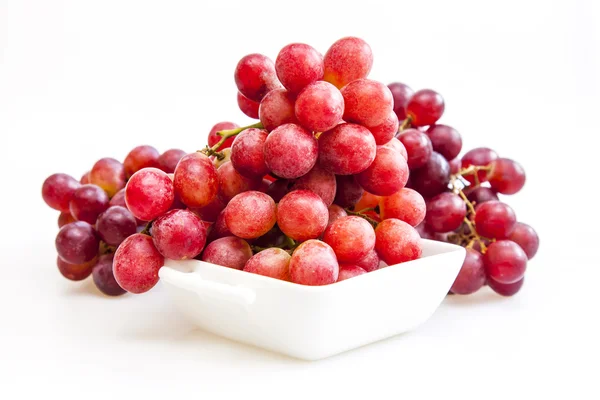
<point x="231" y="183"/>
<point x="149" y="193"/>
<point x="351" y="238"/>
<point x="481" y="194"/>
<point x="445" y="212"/>
<point x="116" y="224"/>
<point x="319" y="107"/>
<point x="298" y="65"/>
<point x="255" y="76"/>
<point x="348" y="191"/>
<point x="432" y="178"/>
<point x="425" y="107"/>
<point x="506" y="289"/>
<point x="386" y="175"/>
<point x="247" y="106"/>
<point x="418" y="147"/>
<point x="397" y="241"/>
<point x="385" y="131"/>
<point x="168" y="160"/>
<point x="397" y="145"/>
<point x="368" y="200"/>
<point x="277" y="108"/>
<point x="58" y="190"/>
<point x="348" y="271"/>
<point x="219" y="229"/>
<point x="426" y="233"/>
<point x="335" y="212"/>
<point x="290" y="151"/>
<point x="406" y="205"/>
<point x="88" y="202"/>
<point x="302" y="215"/>
<point x="109" y="174"/>
<point x="505" y="261"/>
<point x="401" y="94"/>
<point x="471" y="276"/>
<point x="179" y="235"/>
<point x="526" y="237"/>
<point x="140" y="157"/>
<point x="136" y="264"/>
<point x="229" y="251"/>
<point x="347" y="149"/>
<point x="370" y="262"/>
<point x="279" y="188"/>
<point x="367" y="102"/>
<point x="65" y="218"/>
<point x="272" y="262"/>
<point x="211" y="211"/>
<point x="454" y="166"/>
<point x="196" y="180"/>
<point x="445" y="140"/>
<point x="495" y="219"/>
<point x="314" y="263"/>
<point x="506" y="176"/>
<point x="85" y="178"/>
<point x="247" y="155"/>
<point x="250" y="214"/>
<point x="213" y="138"/>
<point x="77" y="243"/>
<point x="74" y="272"/>
<point x="103" y="276"/>
<point x="480" y="156"/>
<point x="347" y="60"/>
<point x="319" y="181"/>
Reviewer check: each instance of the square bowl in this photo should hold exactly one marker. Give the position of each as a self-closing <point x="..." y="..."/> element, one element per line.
<point x="313" y="322"/>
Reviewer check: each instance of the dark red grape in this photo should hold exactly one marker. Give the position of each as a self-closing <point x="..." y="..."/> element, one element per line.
<point x="495" y="219"/>
<point x="402" y="94"/>
<point x="425" y="107"/>
<point x="65" y="218"/>
<point x="211" y="211"/>
<point x="168" y="160"/>
<point x="348" y="191"/>
<point x="219" y="229"/>
<point x="432" y="178"/>
<point x="347" y="60"/>
<point x="505" y="262"/>
<point x="454" y="166"/>
<point x="445" y="212"/>
<point x="335" y="212"/>
<point x="445" y="140"/>
<point x="58" y="190"/>
<point x="139" y="158"/>
<point x="149" y="193"/>
<point x="179" y="235"/>
<point x="77" y="243"/>
<point x="418" y="147"/>
<point x="319" y="181"/>
<point x="526" y="237"/>
<point x="298" y="65"/>
<point x="279" y="188"/>
<point x="481" y="194"/>
<point x="255" y="76"/>
<point x="88" y="202"/>
<point x="75" y="272"/>
<point x="104" y="279"/>
<point x="471" y="276"/>
<point x="115" y="224"/>
<point x="248" y="107"/>
<point x="506" y="176"/>
<point x="506" y="289"/>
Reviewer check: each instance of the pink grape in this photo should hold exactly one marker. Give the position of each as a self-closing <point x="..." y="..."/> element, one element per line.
<point x="77" y="243"/>
<point x="149" y="193"/>
<point x="58" y="190"/>
<point x="425" y="107"/>
<point x="179" y="235"/>
<point x="495" y="219"/>
<point x="319" y="107"/>
<point x="65" y="218"/>
<point x="351" y="238"/>
<point x="247" y="106"/>
<point x="229" y="251"/>
<point x="432" y="178"/>
<point x="116" y="224"/>
<point x="526" y="237"/>
<point x="348" y="191"/>
<point x="298" y="65"/>
<point x="103" y="276"/>
<point x="471" y="276"/>
<point x="506" y="176"/>
<point x="88" y="202"/>
<point x="418" y="147"/>
<point x="347" y="60"/>
<point x="386" y="175"/>
<point x="397" y="241"/>
<point x="136" y="264"/>
<point x="75" y="272"/>
<point x="385" y="131"/>
<point x="247" y="155"/>
<point x="302" y="215"/>
<point x="250" y="214"/>
<point x="273" y="262"/>
<point x="168" y="160"/>
<point x="109" y="174"/>
<point x="231" y="183"/>
<point x="335" y="212"/>
<point x="506" y="289"/>
<point x="196" y="180"/>
<point x="348" y="271"/>
<point x="211" y="211"/>
<point x="279" y="188"/>
<point x="277" y="108"/>
<point x="255" y="76"/>
<point x="138" y="158"/>
<point x="401" y="94"/>
<point x="370" y="262"/>
<point x="480" y="156"/>
<point x="347" y="149"/>
<point x="213" y="138"/>
<point x="397" y="145"/>
<point x="505" y="262"/>
<point x="319" y="181"/>
<point x="445" y="140"/>
<point x="290" y="151"/>
<point x="367" y="102"/>
<point x="445" y="212"/>
<point x="406" y="205"/>
<point x="481" y="194"/>
<point x="314" y="263"/>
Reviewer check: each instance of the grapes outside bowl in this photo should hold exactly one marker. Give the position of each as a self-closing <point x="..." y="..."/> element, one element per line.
<point x="313" y="322"/>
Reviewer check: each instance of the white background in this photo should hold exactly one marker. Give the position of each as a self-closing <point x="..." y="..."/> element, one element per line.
<point x="81" y="80"/>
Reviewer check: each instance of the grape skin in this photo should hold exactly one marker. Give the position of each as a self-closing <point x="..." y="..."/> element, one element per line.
<point x="397" y="242"/>
<point x="75" y="272"/>
<point x="506" y="176"/>
<point x="272" y="262"/>
<point x="401" y="94"/>
<point x="445" y="212"/>
<point x="211" y="211"/>
<point x="58" y="190"/>
<point x="219" y="228"/>
<point x="526" y="237"/>
<point x="229" y="251"/>
<point x="481" y="194"/>
<point x="179" y="235"/>
<point x="505" y="262"/>
<point x="298" y="65"/>
<point x="387" y="174"/>
<point x="494" y="219"/>
<point x="471" y="276"/>
<point x="247" y="155"/>
<point x="433" y="177"/>
<point x="370" y="262"/>
<point x="279" y="188"/>
<point x="319" y="107"/>
<point x="425" y="107"/>
<point x="196" y="181"/>
<point x="347" y="149"/>
<point x="445" y="140"/>
<point x="314" y="263"/>
<point x="397" y="145"/>
<point x="348" y="271"/>
<point x="138" y="158"/>
<point x="109" y="174"/>
<point x="231" y="183"/>
<point x="351" y="238"/>
<point x="480" y="156"/>
<point x="290" y="151"/>
<point x="302" y="215"/>
<point x="347" y="60"/>
<point x="418" y="147"/>
<point x="277" y="108"/>
<point x="250" y="214"/>
<point x="65" y="218"/>
<point x="255" y="76"/>
<point x="247" y="106"/>
<point x="115" y="224"/>
<point x="385" y="131"/>
<point x="168" y="160"/>
<point x="348" y="191"/>
<point x="406" y="205"/>
<point x="103" y="276"/>
<point x="367" y="102"/>
<point x="319" y="181"/>
<point x="149" y="193"/>
<point x="506" y="289"/>
<point x="335" y="212"/>
<point x="136" y="264"/>
<point x="88" y="202"/>
<point x="213" y="138"/>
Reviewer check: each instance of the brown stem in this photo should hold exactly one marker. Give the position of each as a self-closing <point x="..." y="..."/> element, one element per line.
<point x="405" y="124"/>
<point x="146" y="230"/>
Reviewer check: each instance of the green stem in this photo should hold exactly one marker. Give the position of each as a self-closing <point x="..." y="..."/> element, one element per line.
<point x="226" y="134"/>
<point x="405" y="124"/>
<point x="146" y="230"/>
<point x="366" y="217"/>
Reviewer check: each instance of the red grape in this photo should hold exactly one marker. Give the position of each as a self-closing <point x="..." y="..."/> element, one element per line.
<point x="426" y="233"/>
<point x="480" y="156"/>
<point x="250" y="214"/>
<point x="368" y="200"/>
<point x="219" y="228"/>
<point x="248" y="107"/>
<point x="505" y="261"/>
<point x="75" y="272"/>
<point x="136" y="264"/>
<point x="115" y="224"/>
<point x="104" y="279"/>
<point x="471" y="276"/>
<point x="65" y="218"/>
<point x="255" y="76"/>
<point x="319" y="107"/>
<point x="367" y="102"/>
<point x="401" y="94"/>
<point x="481" y="194"/>
<point x="290" y="151"/>
<point x="168" y="160"/>
<point x="77" y="243"/>
<point x="88" y="202"/>
<point x="140" y="157"/>
<point x="495" y="219"/>
<point x="506" y="289"/>
<point x="397" y="241"/>
<point x="319" y="181"/>
<point x="348" y="271"/>
<point x="347" y="149"/>
<point x="418" y="147"/>
<point x="149" y="193"/>
<point x="335" y="212"/>
<point x="370" y="262"/>
<point x="348" y="191"/>
<point x="58" y="190"/>
<point x="109" y="174"/>
<point x="273" y="262"/>
<point x="351" y="238"/>
<point x="229" y="251"/>
<point x="445" y="140"/>
<point x="506" y="176"/>
<point x="247" y="154"/>
<point x="386" y="175"/>
<point x="347" y="60"/>
<point x="454" y="166"/>
<point x="277" y="108"/>
<point x="211" y="211"/>
<point x="179" y="235"/>
<point x="406" y="205"/>
<point x="385" y="131"/>
<point x="425" y="107"/>
<point x="397" y="145"/>
<point x="445" y="212"/>
<point x="298" y="65"/>
<point x="279" y="188"/>
<point x="85" y="178"/>
<point x="213" y="138"/>
<point x="526" y="237"/>
<point x="314" y="263"/>
<point x="231" y="183"/>
<point x="196" y="180"/>
<point x="432" y="178"/>
<point x="302" y="215"/>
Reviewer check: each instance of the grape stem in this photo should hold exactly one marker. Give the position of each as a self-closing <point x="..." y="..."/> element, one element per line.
<point x="474" y="170"/>
<point x="288" y="245"/>
<point x="361" y="214"/>
<point x="146" y="230"/>
<point x="405" y="124"/>
<point x="226" y="134"/>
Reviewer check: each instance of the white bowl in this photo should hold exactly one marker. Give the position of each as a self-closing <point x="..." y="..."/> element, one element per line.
<point x="313" y="322"/>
